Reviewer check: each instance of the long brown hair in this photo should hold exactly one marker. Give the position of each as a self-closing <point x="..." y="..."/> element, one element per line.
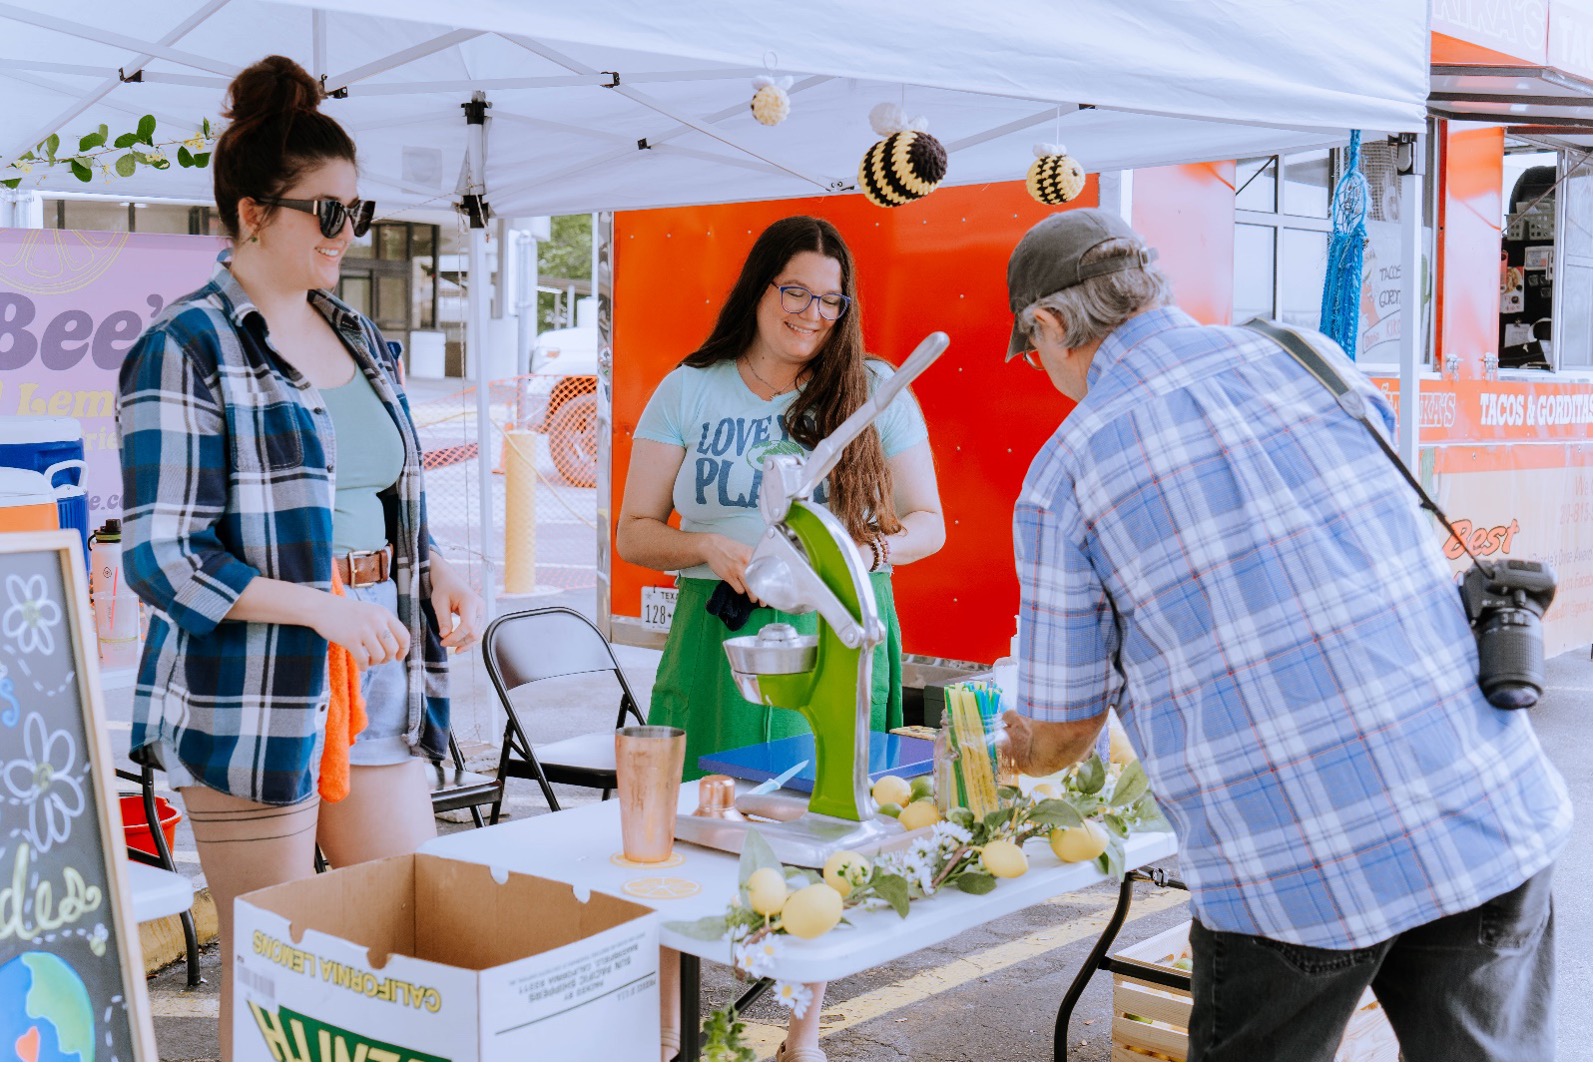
<point x="276" y="133"/>
<point x="838" y="381"/>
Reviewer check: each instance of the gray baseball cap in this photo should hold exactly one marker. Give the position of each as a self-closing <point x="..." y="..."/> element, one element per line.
<point x="1047" y="259"/>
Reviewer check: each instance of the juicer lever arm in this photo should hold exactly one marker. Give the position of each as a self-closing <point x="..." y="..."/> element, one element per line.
<point x="780" y="576"/>
<point x="828" y="452"/>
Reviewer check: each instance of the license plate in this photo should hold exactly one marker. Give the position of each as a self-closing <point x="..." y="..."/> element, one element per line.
<point x="658" y="607"/>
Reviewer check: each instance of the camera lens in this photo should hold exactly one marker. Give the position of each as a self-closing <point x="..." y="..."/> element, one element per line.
<point x="1511" y="658"/>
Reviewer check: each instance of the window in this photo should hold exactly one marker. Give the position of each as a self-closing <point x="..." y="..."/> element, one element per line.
<point x="1282" y="236"/>
<point x="1545" y="259"/>
<point x="123" y="216"/>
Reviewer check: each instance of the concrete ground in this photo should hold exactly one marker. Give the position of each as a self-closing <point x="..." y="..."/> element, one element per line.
<point x="990" y="994"/>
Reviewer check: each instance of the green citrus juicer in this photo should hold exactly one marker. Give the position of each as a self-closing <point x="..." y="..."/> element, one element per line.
<point x="805" y="561"/>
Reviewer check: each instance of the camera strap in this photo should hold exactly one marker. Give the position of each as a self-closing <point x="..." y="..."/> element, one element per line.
<point x="1353" y="404"/>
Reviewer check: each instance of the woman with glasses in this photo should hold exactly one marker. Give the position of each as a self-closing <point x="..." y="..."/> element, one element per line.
<point x="782" y="368"/>
<point x="269" y="457"/>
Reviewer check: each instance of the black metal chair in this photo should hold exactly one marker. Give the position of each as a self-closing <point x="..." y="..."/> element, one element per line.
<point x="454" y="787"/>
<point x="144" y="777"/>
<point x="524" y="648"/>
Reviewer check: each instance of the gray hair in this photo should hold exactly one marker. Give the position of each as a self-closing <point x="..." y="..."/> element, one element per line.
<point x="1097" y="306"/>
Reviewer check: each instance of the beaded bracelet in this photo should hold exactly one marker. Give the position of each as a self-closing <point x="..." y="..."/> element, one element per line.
<point x="886" y="550"/>
<point x="875" y="554"/>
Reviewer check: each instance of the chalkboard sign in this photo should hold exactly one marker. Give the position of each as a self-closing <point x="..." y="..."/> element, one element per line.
<point x="71" y="980"/>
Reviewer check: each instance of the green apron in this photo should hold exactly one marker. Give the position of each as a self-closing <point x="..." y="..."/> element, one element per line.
<point x="694" y="690"/>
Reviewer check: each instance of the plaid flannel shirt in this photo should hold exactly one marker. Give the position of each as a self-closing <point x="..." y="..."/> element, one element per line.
<point x="1211" y="544"/>
<point x="228" y="461"/>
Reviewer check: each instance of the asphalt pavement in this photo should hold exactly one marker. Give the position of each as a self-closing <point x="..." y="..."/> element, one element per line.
<point x="991" y="994"/>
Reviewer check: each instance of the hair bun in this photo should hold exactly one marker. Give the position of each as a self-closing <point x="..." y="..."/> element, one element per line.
<point x="274" y="86"/>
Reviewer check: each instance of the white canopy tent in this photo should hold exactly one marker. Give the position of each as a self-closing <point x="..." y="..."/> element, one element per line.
<point x="616" y="104"/>
<point x="621" y="104"/>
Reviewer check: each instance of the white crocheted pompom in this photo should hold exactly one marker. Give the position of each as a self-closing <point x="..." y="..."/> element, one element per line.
<point x="1043" y="149"/>
<point x="770" y="102"/>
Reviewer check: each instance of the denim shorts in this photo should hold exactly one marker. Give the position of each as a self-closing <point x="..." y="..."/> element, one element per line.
<point x="382" y="741"/>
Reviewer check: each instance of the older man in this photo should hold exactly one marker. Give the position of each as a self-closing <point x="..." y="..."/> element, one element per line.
<point x="1212" y="545"/>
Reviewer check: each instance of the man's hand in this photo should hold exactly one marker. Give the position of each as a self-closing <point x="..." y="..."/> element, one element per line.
<point x="1037" y="748"/>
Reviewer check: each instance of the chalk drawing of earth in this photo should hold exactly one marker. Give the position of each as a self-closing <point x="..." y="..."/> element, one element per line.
<point x="45" y="1014"/>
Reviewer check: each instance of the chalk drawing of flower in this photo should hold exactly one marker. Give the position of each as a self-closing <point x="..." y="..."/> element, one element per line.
<point x="32" y="616"/>
<point x="46" y="781"/>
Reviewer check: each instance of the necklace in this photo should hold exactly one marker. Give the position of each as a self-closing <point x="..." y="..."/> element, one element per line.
<point x="760" y="379"/>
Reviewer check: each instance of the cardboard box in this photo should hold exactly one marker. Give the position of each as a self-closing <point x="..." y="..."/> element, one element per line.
<point x="420" y="958"/>
<point x="1162" y="1012"/>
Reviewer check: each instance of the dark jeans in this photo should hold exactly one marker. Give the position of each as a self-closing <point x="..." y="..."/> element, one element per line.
<point x="1468" y="987"/>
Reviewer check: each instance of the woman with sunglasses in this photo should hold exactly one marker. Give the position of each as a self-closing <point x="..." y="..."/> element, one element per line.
<point x="783" y="366"/>
<point x="267" y="449"/>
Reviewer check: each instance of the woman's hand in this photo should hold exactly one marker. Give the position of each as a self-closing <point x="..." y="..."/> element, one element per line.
<point x="728" y="559"/>
<point x="373" y="634"/>
<point x="459" y="609"/>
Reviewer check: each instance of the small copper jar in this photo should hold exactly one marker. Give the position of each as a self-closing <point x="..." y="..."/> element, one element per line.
<point x="717" y="797"/>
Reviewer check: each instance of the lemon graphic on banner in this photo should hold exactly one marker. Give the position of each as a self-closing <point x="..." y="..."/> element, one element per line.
<point x="52" y="262"/>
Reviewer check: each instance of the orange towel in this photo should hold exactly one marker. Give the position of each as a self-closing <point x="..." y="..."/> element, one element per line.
<point x="346" y="714"/>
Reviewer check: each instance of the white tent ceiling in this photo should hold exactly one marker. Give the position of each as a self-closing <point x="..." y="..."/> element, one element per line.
<point x="1165" y="80"/>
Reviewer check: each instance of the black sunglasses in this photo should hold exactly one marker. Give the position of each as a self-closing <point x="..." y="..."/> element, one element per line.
<point x="333" y="213"/>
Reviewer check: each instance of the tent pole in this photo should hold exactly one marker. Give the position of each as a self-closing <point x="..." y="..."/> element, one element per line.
<point x="476" y="345"/>
<point x="1412" y="312"/>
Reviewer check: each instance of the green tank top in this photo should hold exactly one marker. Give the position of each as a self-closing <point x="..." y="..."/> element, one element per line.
<point x="370" y="458"/>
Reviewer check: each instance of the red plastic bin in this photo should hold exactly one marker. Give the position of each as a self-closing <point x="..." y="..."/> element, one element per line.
<point x="137" y="831"/>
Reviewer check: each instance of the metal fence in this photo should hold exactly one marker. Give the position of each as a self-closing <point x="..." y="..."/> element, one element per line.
<point x="543" y="457"/>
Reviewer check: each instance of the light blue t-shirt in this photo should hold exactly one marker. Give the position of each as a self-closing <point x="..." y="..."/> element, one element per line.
<point x="727" y="431"/>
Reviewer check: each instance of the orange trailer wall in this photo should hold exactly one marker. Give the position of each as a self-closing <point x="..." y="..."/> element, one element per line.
<point x="937" y="264"/>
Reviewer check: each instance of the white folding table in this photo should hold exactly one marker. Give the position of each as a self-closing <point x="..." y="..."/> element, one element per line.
<point x="582" y="847"/>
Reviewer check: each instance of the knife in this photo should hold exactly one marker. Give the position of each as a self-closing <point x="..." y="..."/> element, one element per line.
<point x="776" y="782"/>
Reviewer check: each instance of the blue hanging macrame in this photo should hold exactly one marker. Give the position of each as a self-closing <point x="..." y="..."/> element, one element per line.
<point x="1338" y="314"/>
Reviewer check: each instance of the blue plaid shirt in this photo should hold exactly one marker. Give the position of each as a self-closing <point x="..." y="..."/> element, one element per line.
<point x="1212" y="545"/>
<point x="228" y="460"/>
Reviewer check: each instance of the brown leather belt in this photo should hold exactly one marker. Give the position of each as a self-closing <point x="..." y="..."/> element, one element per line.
<point x="359" y="570"/>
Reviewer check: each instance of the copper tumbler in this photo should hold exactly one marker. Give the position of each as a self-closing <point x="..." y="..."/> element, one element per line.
<point x="648" y="761"/>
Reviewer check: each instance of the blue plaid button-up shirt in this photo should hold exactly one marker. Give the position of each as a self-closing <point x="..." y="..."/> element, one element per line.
<point x="1211" y="544"/>
<point x="228" y="463"/>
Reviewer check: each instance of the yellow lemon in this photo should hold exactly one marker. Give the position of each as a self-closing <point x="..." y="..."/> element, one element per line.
<point x="812" y="911"/>
<point x="892" y="789"/>
<point x="1080" y="844"/>
<point x="767" y="891"/>
<point x="1119" y="749"/>
<point x="1004" y="858"/>
<point x="845" y="870"/>
<point x="919" y="814"/>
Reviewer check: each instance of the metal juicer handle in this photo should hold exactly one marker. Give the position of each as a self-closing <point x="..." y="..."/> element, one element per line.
<point x="828" y="452"/>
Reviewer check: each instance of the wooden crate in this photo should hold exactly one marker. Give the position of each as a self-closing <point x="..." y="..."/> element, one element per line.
<point x="1162" y="1038"/>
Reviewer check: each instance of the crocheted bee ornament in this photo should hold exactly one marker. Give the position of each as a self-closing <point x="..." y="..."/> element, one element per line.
<point x="906" y="165"/>
<point x="1055" y="177"/>
<point x="770" y="102"/>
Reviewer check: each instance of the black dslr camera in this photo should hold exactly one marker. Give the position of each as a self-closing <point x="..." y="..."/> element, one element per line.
<point x="1504" y="601"/>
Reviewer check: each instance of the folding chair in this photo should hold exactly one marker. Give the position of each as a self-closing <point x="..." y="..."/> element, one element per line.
<point x="454" y="787"/>
<point x="144" y="777"/>
<point x="527" y="647"/>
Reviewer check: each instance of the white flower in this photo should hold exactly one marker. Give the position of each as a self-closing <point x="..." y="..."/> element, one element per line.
<point x="737" y="933"/>
<point x="46" y="781"/>
<point x="947" y="836"/>
<point x="759" y="958"/>
<point x="794" y="996"/>
<point x="31" y="616"/>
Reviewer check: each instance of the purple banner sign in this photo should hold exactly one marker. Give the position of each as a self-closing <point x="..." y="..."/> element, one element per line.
<point x="71" y="304"/>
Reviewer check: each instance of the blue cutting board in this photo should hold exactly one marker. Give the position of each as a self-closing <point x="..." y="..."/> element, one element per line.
<point x="888" y="754"/>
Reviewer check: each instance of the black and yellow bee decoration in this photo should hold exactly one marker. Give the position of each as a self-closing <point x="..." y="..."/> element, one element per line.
<point x="908" y="164"/>
<point x="1055" y="177"/>
<point x="770" y="104"/>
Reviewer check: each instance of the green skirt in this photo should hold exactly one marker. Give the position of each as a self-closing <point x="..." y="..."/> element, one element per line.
<point x="694" y="689"/>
